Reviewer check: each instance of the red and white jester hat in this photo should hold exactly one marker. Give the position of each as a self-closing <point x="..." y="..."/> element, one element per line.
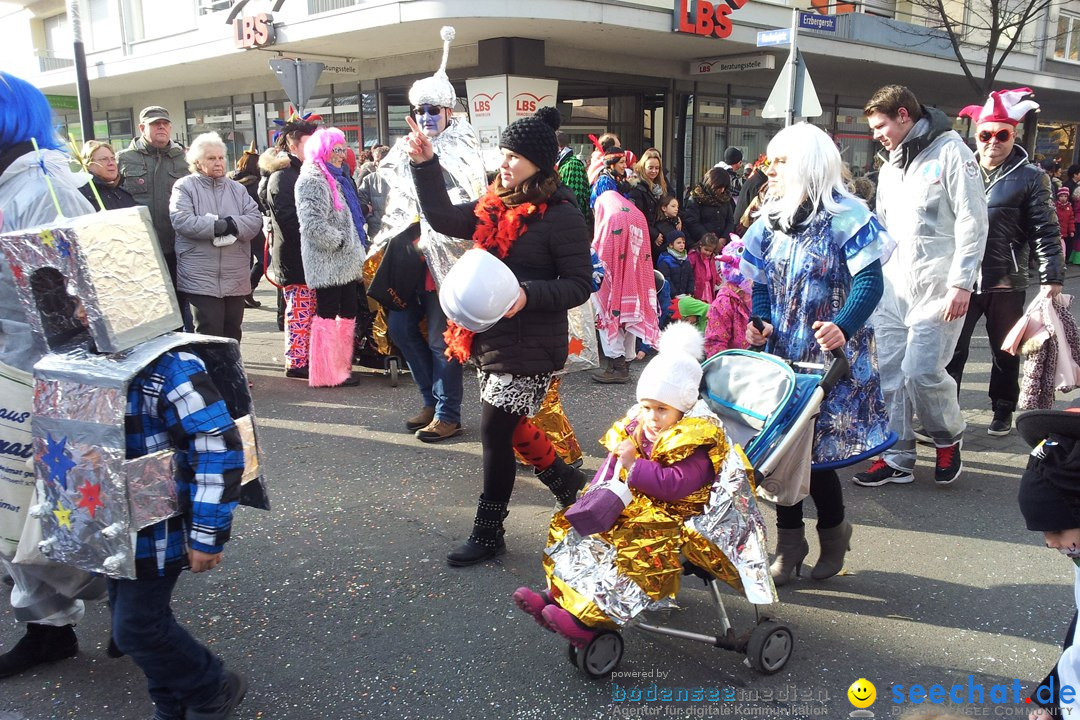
<point x="1003" y="106"/>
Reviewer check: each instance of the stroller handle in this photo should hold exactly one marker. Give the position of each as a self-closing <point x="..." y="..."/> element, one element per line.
<point x="839" y="369"/>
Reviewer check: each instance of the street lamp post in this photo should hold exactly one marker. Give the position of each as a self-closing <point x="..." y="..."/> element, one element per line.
<point x="82" y="84"/>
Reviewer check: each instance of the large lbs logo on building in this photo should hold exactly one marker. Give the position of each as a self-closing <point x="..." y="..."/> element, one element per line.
<point x="701" y="17"/>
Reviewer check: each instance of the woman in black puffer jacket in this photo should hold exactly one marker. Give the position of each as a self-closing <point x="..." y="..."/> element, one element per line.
<point x="709" y="208"/>
<point x="533" y="223"/>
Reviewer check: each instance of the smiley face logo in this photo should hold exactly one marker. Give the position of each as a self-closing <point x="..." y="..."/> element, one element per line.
<point x="862" y="693"/>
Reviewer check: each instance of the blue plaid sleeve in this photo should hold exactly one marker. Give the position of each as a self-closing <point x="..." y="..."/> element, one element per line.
<point x="210" y="451"/>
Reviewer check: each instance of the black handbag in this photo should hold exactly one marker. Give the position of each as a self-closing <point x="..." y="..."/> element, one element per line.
<point x="401" y="271"/>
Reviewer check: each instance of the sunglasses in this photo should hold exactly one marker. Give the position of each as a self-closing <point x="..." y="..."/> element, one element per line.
<point x="432" y="110"/>
<point x="339" y="151"/>
<point x="1002" y="135"/>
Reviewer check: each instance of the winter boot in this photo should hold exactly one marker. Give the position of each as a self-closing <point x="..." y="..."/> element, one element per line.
<point x="564" y="481"/>
<point x="40" y="644"/>
<point x="233" y="689"/>
<point x="486" y="540"/>
<point x="562" y="622"/>
<point x="533" y="603"/>
<point x="791" y="550"/>
<point x="346" y="335"/>
<point x="604" y="374"/>
<point x="835" y="542"/>
<point x="622" y="370"/>
<point x="324" y="363"/>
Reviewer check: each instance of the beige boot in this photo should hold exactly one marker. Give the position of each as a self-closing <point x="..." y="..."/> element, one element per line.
<point x="791" y="550"/>
<point x="835" y="542"/>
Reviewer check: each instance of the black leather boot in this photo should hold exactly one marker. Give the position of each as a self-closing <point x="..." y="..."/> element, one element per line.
<point x="486" y="540"/>
<point x="40" y="644"/>
<point x="564" y="481"/>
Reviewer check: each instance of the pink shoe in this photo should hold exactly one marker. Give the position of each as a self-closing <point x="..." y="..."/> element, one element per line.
<point x="561" y="621"/>
<point x="533" y="603"/>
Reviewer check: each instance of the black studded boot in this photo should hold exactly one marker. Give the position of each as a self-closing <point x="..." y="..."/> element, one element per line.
<point x="486" y="540"/>
<point x="564" y="481"/>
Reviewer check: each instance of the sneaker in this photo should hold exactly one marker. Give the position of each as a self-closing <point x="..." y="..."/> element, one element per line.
<point x="948" y="465"/>
<point x="562" y="622"/>
<point x="421" y="420"/>
<point x="922" y="437"/>
<point x="881" y="473"/>
<point x="1001" y="424"/>
<point x="533" y="603"/>
<point x="251" y="302"/>
<point x="437" y="431"/>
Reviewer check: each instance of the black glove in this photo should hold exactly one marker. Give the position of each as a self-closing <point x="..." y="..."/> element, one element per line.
<point x="230" y="227"/>
<point x="221" y="227"/>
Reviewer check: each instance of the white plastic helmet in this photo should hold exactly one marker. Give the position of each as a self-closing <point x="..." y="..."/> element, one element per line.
<point x="478" y="290"/>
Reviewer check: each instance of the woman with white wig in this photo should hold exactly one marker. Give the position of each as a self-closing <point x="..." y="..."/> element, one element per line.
<point x="815" y="255"/>
<point x="215" y="220"/>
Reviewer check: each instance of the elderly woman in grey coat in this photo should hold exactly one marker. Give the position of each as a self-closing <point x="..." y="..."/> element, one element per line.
<point x="333" y="253"/>
<point x="215" y="220"/>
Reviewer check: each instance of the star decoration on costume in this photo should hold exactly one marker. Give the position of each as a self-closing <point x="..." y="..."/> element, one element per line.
<point x="90" y="497"/>
<point x="65" y="247"/>
<point x="48" y="239"/>
<point x="57" y="461"/>
<point x="63" y="515"/>
<point x="576" y="346"/>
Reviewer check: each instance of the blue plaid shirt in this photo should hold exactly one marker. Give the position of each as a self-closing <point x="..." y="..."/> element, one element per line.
<point x="173" y="404"/>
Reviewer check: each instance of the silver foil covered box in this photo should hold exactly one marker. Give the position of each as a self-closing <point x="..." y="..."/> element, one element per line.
<point x="111" y="262"/>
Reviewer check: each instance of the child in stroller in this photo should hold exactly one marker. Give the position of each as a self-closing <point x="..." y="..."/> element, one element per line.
<point x="669" y="451"/>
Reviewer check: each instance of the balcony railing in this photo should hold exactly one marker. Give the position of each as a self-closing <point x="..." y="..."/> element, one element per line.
<point x="321" y="6"/>
<point x="48" y="62"/>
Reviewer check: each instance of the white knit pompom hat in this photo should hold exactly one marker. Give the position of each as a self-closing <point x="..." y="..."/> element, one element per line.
<point x="673" y="376"/>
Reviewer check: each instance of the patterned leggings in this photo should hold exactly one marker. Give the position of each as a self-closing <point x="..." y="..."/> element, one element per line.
<point x="299" y="309"/>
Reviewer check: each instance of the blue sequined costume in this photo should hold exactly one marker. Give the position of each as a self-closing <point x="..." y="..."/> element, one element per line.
<point x="809" y="274"/>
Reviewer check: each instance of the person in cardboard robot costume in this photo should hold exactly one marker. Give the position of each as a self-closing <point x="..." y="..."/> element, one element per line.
<point x="47" y="597"/>
<point x="142" y="440"/>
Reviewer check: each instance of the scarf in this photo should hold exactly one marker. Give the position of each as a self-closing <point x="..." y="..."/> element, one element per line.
<point x="501" y="217"/>
<point x="627" y="296"/>
<point x="675" y="253"/>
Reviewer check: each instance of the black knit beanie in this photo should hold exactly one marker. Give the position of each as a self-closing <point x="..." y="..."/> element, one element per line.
<point x="533" y="138"/>
<point x="1049" y="493"/>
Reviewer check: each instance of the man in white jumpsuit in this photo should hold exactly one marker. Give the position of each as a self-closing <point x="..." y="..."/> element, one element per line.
<point x="930" y="198"/>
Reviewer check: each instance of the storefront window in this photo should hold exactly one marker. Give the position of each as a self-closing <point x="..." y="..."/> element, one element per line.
<point x="857" y="146"/>
<point x="231" y="118"/>
<point x="115" y="127"/>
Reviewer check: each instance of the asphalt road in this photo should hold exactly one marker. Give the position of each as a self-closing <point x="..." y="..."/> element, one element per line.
<point x="338" y="604"/>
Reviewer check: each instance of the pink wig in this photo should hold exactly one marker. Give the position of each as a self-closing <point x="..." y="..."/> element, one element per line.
<point x="317" y="150"/>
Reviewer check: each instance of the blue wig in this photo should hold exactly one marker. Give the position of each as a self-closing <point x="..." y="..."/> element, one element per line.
<point x="25" y="114"/>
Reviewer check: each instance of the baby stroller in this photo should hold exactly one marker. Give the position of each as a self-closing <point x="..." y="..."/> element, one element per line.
<point x="368" y="351"/>
<point x="768" y="409"/>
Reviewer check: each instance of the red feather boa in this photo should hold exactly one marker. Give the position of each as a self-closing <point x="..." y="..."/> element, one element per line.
<point x="497" y="227"/>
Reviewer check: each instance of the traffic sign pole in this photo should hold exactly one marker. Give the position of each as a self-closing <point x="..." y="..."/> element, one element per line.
<point x="793" y="61"/>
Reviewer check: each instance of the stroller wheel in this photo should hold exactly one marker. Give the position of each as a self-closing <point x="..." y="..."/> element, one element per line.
<point x="770" y="647"/>
<point x="392" y="368"/>
<point x="601" y="655"/>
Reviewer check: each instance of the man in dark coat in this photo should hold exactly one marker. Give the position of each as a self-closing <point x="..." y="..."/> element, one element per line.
<point x="1021" y="221"/>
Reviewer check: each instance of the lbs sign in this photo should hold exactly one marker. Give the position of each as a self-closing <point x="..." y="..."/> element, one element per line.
<point x="254" y="30"/>
<point x="701" y="17"/>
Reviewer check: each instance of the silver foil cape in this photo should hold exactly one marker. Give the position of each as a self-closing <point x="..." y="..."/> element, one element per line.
<point x="587" y="564"/>
<point x="112" y="262"/>
<point x="91" y="499"/>
<point x="463" y="169"/>
<point x="733" y="523"/>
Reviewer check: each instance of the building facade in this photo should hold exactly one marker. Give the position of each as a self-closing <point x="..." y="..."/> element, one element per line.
<point x="685" y="77"/>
